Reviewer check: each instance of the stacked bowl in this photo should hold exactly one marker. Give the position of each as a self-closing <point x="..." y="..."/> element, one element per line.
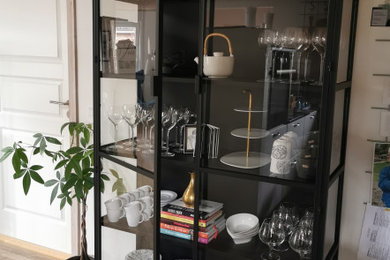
<point x="242" y="227"/>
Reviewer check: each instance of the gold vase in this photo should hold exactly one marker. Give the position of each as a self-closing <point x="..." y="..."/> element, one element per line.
<point x="189" y="195"/>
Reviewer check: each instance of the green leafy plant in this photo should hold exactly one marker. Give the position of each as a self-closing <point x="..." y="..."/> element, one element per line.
<point x="73" y="168"/>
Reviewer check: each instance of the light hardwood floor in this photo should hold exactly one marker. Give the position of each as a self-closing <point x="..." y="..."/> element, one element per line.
<point x="13" y="249"/>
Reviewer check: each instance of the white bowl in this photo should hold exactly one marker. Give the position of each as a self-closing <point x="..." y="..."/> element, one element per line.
<point x="251" y="233"/>
<point x="242" y="223"/>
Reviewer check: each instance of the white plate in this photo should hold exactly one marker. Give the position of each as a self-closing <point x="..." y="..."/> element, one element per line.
<point x="167" y="196"/>
<point x="140" y="254"/>
<point x="255" y="133"/>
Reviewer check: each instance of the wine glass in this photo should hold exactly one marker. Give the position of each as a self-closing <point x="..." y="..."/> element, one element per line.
<point x="130" y="116"/>
<point x="319" y="46"/>
<point x="115" y="117"/>
<point x="149" y="137"/>
<point x="272" y="236"/>
<point x="278" y="221"/>
<point x="301" y="241"/>
<point x="165" y="118"/>
<point x="170" y="125"/>
<point x="144" y="114"/>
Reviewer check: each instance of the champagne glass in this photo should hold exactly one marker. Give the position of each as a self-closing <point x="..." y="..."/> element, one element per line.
<point x="130" y="116"/>
<point x="272" y="237"/>
<point x="165" y="118"/>
<point x="301" y="241"/>
<point x="115" y="117"/>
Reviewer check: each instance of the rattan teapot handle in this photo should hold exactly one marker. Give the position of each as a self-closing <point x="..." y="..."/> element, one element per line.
<point x="220" y="35"/>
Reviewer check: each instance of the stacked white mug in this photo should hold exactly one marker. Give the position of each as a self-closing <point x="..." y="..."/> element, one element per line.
<point x="137" y="206"/>
<point x="284" y="152"/>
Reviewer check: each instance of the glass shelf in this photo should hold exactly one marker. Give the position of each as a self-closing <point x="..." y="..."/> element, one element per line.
<point x="223" y="247"/>
<point x="144" y="229"/>
<point x="214" y="166"/>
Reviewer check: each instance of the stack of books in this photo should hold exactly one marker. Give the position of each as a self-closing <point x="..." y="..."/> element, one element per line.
<point x="178" y="220"/>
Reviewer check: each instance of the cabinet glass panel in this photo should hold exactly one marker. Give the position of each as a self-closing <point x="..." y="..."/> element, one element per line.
<point x="128" y="46"/>
<point x="230" y="225"/>
<point x="127" y="205"/>
<point x="337" y="137"/>
<point x="264" y="96"/>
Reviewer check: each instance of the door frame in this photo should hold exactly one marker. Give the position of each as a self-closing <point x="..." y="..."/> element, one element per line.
<point x="73" y="107"/>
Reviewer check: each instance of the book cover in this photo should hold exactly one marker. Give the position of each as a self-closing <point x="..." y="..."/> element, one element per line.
<point x="206" y="209"/>
<point x="208" y="232"/>
<point x="189" y="220"/>
<point x="202" y="240"/>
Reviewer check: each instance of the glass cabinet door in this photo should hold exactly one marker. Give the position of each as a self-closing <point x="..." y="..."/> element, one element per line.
<point x="263" y="75"/>
<point x="263" y="78"/>
<point x="128" y="111"/>
<point x="128" y="64"/>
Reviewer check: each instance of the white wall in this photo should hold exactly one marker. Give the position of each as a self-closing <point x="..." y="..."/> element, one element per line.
<point x="367" y="91"/>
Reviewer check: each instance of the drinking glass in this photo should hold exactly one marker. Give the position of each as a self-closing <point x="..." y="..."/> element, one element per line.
<point x="278" y="221"/>
<point x="144" y="114"/>
<point x="272" y="236"/>
<point x="130" y="116"/>
<point x="115" y="117"/>
<point x="170" y="125"/>
<point x="165" y="119"/>
<point x="301" y="241"/>
<point x="319" y="46"/>
<point x="149" y="136"/>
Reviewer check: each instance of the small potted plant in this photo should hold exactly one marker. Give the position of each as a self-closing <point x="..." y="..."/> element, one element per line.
<point x="72" y="170"/>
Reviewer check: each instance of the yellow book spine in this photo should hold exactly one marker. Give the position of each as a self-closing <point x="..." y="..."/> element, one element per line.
<point x="183" y="220"/>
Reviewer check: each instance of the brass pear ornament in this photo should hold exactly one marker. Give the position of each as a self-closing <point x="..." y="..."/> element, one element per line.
<point x="188" y="195"/>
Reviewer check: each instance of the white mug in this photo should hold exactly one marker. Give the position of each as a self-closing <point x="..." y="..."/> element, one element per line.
<point x="145" y="190"/>
<point x="148" y="213"/>
<point x="126" y="198"/>
<point x="114" y="215"/>
<point x="134" y="214"/>
<point x="147" y="202"/>
<point x="114" y="203"/>
<point x="136" y="194"/>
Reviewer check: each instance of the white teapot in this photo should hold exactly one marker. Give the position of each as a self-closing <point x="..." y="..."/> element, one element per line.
<point x="218" y="65"/>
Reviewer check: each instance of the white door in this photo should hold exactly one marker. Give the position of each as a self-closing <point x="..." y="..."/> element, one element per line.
<point x="33" y="70"/>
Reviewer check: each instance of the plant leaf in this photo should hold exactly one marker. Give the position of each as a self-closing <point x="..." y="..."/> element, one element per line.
<point x="79" y="189"/>
<point x="63" y="201"/>
<point x="70" y="183"/>
<point x="58" y="175"/>
<point x="36" y="151"/>
<point x="22" y="155"/>
<point x="19" y="174"/>
<point x="26" y="183"/>
<point x="6" y="154"/>
<point x="60" y="164"/>
<point x="16" y="162"/>
<point x="37" y="135"/>
<point x="36" y="167"/>
<point x="87" y="135"/>
<point x="104" y="177"/>
<point x="63" y="126"/>
<point x="54" y="193"/>
<point x="52" y="140"/>
<point x="36" y="177"/>
<point x="83" y="142"/>
<point x="42" y="146"/>
<point x="51" y="182"/>
<point x="74" y="150"/>
<point x="115" y="173"/>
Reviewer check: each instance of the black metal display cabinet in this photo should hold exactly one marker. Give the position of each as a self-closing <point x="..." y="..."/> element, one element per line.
<point x="287" y="95"/>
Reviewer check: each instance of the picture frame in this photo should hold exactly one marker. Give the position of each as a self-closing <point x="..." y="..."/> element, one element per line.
<point x="189" y="138"/>
<point x="379" y="16"/>
<point x="381" y="160"/>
